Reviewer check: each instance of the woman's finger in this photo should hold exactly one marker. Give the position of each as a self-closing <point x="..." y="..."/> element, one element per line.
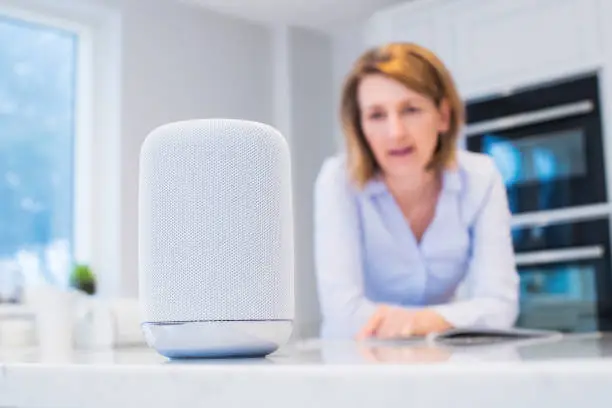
<point x="390" y="326"/>
<point x="406" y="330"/>
<point x="372" y="326"/>
<point x="396" y="324"/>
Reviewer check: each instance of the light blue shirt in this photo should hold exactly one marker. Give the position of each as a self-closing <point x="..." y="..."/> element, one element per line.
<point x="366" y="253"/>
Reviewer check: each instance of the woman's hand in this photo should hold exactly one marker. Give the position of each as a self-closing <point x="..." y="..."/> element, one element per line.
<point x="389" y="322"/>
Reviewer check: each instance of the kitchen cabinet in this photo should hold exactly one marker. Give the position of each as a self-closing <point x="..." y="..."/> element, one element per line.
<point x="493" y="46"/>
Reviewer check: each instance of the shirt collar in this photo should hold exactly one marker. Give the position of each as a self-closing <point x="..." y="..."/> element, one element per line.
<point x="451" y="181"/>
<point x="375" y="186"/>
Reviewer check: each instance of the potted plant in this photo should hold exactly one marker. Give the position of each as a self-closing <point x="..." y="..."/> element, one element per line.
<point x="82" y="278"/>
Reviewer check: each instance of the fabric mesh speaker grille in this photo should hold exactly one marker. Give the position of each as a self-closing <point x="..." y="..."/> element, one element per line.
<point x="215" y="223"/>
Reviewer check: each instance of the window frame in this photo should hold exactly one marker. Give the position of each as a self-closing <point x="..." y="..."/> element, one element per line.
<point x="96" y="145"/>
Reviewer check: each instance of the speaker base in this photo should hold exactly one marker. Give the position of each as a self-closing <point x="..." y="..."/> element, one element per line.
<point x="217" y="339"/>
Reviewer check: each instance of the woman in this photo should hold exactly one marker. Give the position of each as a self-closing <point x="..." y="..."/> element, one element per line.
<point x="403" y="220"/>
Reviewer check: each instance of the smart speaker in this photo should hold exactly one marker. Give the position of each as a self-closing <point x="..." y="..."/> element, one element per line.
<point x="215" y="239"/>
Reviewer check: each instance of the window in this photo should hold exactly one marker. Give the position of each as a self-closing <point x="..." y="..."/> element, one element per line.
<point x="38" y="91"/>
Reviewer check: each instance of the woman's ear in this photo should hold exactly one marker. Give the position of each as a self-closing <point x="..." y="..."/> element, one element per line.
<point x="445" y="116"/>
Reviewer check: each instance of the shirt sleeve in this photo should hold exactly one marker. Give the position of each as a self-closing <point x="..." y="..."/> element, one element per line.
<point x="338" y="260"/>
<point x="492" y="280"/>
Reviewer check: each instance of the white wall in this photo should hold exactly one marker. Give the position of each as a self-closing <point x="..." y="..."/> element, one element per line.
<point x="347" y="45"/>
<point x="182" y="62"/>
<point x="312" y="139"/>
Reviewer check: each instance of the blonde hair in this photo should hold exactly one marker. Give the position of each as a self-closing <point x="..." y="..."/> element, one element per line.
<point x="418" y="69"/>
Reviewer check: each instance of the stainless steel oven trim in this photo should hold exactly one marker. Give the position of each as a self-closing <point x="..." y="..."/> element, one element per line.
<point x="529" y="118"/>
<point x="563" y="215"/>
<point x="559" y="255"/>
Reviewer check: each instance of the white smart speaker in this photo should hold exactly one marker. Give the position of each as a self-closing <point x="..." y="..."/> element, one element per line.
<point x="216" y="245"/>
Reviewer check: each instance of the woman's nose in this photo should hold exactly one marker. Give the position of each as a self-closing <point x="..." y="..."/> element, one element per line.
<point x="397" y="127"/>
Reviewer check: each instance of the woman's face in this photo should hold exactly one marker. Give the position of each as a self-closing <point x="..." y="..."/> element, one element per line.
<point x="400" y="125"/>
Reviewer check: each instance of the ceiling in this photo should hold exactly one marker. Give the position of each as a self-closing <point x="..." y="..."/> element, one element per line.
<point x="323" y="15"/>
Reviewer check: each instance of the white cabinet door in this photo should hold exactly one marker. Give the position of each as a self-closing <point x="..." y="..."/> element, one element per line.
<point x="501" y="44"/>
<point x="404" y="23"/>
<point x="493" y="45"/>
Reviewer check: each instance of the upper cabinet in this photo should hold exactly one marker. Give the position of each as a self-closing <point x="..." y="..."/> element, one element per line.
<point x="416" y="22"/>
<point x="392" y="25"/>
<point x="494" y="45"/>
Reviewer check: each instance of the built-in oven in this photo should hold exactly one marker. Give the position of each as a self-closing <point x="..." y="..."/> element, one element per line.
<point x="565" y="279"/>
<point x="547" y="143"/>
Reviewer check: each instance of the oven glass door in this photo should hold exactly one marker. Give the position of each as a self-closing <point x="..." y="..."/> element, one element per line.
<point x="566" y="235"/>
<point x="547" y="143"/>
<point x="565" y="275"/>
<point x="552" y="165"/>
<point x="560" y="296"/>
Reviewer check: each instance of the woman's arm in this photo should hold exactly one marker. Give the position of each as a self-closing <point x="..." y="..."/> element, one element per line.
<point x="492" y="277"/>
<point x="338" y="261"/>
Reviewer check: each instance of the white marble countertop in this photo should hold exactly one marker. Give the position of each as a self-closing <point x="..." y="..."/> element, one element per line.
<point x="561" y="373"/>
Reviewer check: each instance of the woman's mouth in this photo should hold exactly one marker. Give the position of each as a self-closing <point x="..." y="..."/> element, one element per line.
<point x="401" y="152"/>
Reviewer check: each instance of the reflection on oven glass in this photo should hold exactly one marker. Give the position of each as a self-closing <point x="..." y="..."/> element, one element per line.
<point x="564" y="282"/>
<point x="560" y="298"/>
<point x="541" y="159"/>
<point x="545" y="237"/>
<point x="534" y="237"/>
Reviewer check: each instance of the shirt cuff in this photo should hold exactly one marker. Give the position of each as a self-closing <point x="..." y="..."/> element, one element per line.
<point x="348" y="326"/>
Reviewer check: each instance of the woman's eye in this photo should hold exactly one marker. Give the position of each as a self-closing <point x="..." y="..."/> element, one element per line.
<point x="410" y="109"/>
<point x="376" y="115"/>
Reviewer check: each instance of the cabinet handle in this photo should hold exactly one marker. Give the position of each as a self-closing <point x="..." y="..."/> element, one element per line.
<point x="562" y="215"/>
<point x="529" y="118"/>
<point x="559" y="255"/>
